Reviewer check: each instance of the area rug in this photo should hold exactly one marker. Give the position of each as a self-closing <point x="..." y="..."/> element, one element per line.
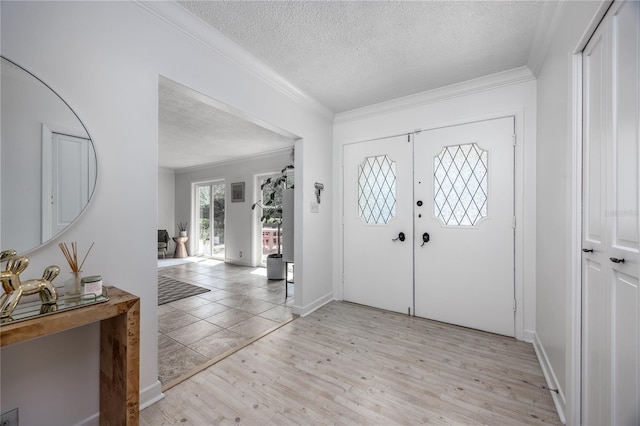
<point x="170" y="290"/>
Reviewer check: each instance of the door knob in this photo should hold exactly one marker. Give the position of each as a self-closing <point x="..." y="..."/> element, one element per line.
<point x="587" y="250"/>
<point x="615" y="260"/>
<point x="425" y="238"/>
<point x="400" y="237"/>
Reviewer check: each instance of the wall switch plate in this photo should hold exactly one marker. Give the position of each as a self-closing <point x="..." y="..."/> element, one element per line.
<point x="10" y="418"/>
<point x="315" y="207"/>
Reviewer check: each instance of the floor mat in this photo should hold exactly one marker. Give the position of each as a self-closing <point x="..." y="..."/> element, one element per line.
<point x="170" y="290"/>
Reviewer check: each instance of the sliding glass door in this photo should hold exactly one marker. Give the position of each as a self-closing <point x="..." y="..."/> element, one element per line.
<point x="210" y="199"/>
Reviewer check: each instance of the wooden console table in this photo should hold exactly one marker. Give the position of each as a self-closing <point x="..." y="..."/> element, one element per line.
<point x="119" y="319"/>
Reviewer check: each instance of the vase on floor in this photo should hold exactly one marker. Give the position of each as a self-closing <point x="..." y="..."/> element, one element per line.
<point x="275" y="267"/>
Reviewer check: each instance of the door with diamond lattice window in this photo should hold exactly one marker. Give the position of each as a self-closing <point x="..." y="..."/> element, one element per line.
<point x="378" y="264"/>
<point x="428" y="224"/>
<point x="464" y="176"/>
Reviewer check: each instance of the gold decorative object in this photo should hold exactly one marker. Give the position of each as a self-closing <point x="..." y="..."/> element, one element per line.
<point x="14" y="288"/>
<point x="6" y="254"/>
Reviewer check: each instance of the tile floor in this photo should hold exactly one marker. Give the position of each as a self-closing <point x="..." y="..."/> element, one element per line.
<point x="241" y="305"/>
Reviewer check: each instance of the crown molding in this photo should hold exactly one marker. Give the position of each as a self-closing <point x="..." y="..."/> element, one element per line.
<point x="232" y="161"/>
<point x="184" y="21"/>
<point x="545" y="29"/>
<point x="489" y="82"/>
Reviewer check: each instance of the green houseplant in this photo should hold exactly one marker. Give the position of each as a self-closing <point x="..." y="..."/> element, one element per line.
<point x="271" y="208"/>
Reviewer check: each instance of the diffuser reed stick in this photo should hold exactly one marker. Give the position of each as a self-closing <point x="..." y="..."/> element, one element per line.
<point x="72" y="255"/>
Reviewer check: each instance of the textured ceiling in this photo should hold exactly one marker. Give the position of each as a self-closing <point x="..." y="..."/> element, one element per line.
<point x="196" y="130"/>
<point x="346" y="55"/>
<point x="349" y="54"/>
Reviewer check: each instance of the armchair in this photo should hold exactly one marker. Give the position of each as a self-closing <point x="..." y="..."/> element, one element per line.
<point x="163" y="242"/>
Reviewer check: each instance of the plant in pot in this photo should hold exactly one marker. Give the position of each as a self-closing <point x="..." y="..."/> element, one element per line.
<point x="271" y="207"/>
<point x="182" y="227"/>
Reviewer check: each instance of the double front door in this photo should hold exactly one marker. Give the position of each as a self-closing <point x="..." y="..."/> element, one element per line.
<point x="429" y="224"/>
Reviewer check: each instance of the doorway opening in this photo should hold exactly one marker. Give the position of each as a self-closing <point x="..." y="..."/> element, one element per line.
<point x="210" y="219"/>
<point x="269" y="232"/>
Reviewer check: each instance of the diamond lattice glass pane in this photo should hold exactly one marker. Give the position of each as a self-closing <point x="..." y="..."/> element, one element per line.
<point x="377" y="190"/>
<point x="460" y="184"/>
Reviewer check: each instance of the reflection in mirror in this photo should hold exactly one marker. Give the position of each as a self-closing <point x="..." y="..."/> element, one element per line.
<point x="47" y="162"/>
<point x="29" y="310"/>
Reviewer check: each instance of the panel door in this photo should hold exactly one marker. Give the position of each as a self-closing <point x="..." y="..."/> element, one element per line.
<point x="464" y="201"/>
<point x="596" y="300"/>
<point x="611" y="231"/>
<point x="378" y="194"/>
<point x="72" y="166"/>
<point x="624" y="222"/>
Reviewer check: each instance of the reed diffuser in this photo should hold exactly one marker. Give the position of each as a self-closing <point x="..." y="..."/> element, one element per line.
<point x="72" y="286"/>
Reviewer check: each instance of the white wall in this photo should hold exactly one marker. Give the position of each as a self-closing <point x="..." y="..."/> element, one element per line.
<point x="556" y="210"/>
<point x="509" y="93"/>
<point x="104" y="58"/>
<point x="167" y="203"/>
<point x="240" y="220"/>
<point x="26" y="105"/>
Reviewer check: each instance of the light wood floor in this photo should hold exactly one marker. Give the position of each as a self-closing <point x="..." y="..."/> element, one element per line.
<point x="348" y="364"/>
<point x="241" y="304"/>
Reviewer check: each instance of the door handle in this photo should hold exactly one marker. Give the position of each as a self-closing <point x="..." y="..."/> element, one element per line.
<point x="425" y="238"/>
<point x="400" y="237"/>
<point x="615" y="260"/>
<point x="587" y="250"/>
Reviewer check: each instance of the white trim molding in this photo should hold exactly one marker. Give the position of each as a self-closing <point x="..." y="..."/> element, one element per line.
<point x="547" y="24"/>
<point x="316" y="304"/>
<point x="529" y="336"/>
<point x="552" y="381"/>
<point x="184" y="21"/>
<point x="573" y="355"/>
<point x="489" y="82"/>
<point x="151" y="394"/>
<point x="236" y="160"/>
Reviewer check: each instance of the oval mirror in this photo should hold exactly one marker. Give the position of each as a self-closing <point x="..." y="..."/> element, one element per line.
<point x="47" y="162"/>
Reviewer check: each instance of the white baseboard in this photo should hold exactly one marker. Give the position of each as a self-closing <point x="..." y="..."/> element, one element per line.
<point x="148" y="396"/>
<point x="90" y="421"/>
<point x="551" y="378"/>
<point x="529" y="336"/>
<point x="316" y="304"/>
<point x="151" y="394"/>
<point x="238" y="262"/>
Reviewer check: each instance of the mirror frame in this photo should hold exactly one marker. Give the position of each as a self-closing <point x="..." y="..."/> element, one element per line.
<point x="93" y="145"/>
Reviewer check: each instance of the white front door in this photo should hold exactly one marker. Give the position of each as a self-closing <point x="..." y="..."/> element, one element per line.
<point x="378" y="264"/>
<point x="464" y="273"/>
<point x="464" y="192"/>
<point x="611" y="231"/>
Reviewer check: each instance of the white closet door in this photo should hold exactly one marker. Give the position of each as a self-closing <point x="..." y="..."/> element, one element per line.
<point x="611" y="188"/>
<point x="595" y="297"/>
